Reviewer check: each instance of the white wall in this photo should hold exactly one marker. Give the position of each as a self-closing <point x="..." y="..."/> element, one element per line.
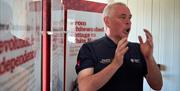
<point x="162" y="19"/>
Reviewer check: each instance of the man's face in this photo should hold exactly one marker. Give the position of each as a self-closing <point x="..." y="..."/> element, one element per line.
<point x="119" y="21"/>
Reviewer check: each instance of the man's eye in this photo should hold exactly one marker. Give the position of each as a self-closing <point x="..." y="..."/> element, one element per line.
<point x="122" y="18"/>
<point x="130" y="17"/>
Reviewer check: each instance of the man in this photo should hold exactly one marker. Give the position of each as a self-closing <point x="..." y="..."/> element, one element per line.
<point x="111" y="63"/>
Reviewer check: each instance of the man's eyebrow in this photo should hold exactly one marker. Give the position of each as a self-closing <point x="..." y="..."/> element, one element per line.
<point x="126" y="15"/>
<point x="123" y="14"/>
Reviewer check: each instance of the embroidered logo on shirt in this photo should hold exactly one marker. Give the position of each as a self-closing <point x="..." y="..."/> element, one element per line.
<point x="105" y="61"/>
<point x="135" y="60"/>
<point x="78" y="63"/>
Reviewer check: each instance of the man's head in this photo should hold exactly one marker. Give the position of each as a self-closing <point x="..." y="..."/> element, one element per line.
<point x="117" y="21"/>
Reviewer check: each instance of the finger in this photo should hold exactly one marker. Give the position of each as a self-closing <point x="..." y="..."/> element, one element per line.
<point x="122" y="41"/>
<point x="148" y="34"/>
<point x="124" y="45"/>
<point x="146" y="31"/>
<point x="150" y="42"/>
<point x="121" y="47"/>
<point x="140" y="39"/>
<point x="124" y="50"/>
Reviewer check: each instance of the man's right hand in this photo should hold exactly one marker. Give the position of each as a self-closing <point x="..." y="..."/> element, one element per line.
<point x="121" y="49"/>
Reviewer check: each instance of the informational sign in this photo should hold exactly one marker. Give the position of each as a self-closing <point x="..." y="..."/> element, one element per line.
<point x="82" y="26"/>
<point x="20" y="47"/>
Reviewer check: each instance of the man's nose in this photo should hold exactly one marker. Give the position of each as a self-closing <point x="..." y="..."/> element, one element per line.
<point x="128" y="22"/>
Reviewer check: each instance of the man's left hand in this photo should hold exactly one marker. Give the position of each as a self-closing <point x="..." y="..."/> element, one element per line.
<point x="147" y="46"/>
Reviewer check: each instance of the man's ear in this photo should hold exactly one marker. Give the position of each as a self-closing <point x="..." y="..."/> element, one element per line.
<point x="107" y="21"/>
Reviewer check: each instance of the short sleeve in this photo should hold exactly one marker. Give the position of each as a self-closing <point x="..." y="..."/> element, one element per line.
<point x="85" y="58"/>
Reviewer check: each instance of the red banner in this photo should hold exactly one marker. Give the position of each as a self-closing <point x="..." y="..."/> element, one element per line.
<point x="83" y="5"/>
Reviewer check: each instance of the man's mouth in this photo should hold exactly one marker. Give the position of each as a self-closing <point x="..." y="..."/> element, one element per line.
<point x="127" y="30"/>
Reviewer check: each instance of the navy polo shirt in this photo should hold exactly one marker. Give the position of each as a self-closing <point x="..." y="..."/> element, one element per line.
<point x="98" y="54"/>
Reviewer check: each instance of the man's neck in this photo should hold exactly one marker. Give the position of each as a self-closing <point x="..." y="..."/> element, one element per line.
<point x="114" y="39"/>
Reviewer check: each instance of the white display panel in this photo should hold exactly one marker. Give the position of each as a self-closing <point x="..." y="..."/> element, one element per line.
<point x="82" y="27"/>
<point x="57" y="46"/>
<point x="20" y="46"/>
